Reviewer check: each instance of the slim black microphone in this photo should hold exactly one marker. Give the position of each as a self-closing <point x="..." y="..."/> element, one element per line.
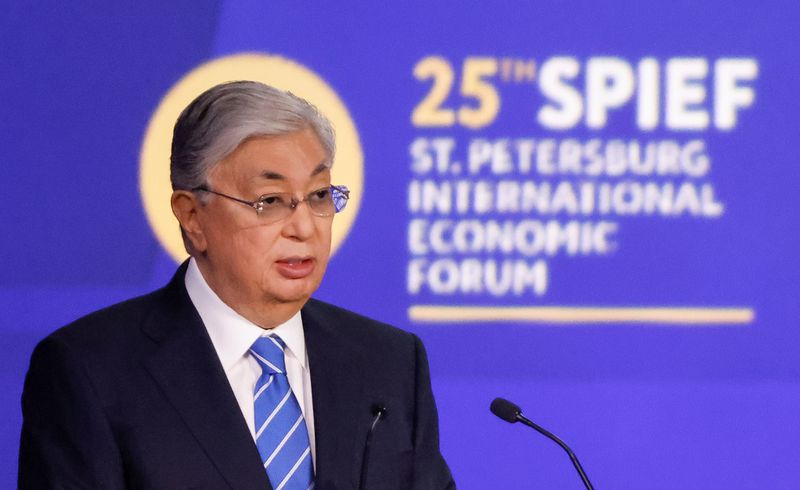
<point x="379" y="412"/>
<point x="512" y="413"/>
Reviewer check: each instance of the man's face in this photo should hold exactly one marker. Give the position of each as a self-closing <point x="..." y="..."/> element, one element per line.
<point x="254" y="265"/>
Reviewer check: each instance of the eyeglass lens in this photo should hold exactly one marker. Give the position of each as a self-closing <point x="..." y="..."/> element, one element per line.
<point x="323" y="202"/>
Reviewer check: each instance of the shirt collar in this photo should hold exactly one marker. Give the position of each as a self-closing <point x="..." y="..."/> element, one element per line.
<point x="231" y="333"/>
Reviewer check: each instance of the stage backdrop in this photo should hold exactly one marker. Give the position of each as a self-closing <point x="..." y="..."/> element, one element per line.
<point x="587" y="207"/>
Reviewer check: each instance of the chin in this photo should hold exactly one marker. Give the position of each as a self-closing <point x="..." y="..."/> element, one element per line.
<point x="294" y="290"/>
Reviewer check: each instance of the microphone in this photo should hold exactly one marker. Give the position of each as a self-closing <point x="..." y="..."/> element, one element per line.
<point x="512" y="413"/>
<point x="378" y="412"/>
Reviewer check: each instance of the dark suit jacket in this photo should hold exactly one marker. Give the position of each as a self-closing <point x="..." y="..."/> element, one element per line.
<point x="134" y="396"/>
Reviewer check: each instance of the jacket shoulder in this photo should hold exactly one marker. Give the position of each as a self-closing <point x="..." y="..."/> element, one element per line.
<point x="112" y="327"/>
<point x="348" y="322"/>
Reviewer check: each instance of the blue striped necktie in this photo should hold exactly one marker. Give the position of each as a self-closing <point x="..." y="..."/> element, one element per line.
<point x="281" y="434"/>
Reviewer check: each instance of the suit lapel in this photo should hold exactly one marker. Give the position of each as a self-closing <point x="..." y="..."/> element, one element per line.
<point x="337" y="392"/>
<point x="186" y="367"/>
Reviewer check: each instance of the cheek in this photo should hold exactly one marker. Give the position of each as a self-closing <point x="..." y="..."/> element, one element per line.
<point x="324" y="252"/>
<point x="254" y="247"/>
<point x="325" y="233"/>
<point x="247" y="250"/>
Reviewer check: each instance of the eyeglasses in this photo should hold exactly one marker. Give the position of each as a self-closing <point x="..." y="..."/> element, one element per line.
<point x="271" y="208"/>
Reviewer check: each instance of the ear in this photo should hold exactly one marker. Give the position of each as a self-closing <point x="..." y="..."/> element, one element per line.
<point x="186" y="207"/>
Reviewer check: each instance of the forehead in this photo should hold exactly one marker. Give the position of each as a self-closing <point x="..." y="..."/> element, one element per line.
<point x="291" y="156"/>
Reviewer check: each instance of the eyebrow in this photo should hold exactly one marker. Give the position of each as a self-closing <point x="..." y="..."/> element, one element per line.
<point x="270" y="175"/>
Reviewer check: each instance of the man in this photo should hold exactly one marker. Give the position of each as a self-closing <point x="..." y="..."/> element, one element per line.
<point x="231" y="376"/>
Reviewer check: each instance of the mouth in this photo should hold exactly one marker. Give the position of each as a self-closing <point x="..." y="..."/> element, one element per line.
<point x="295" y="267"/>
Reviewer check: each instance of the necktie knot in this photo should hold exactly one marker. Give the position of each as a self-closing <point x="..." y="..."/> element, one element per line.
<point x="268" y="351"/>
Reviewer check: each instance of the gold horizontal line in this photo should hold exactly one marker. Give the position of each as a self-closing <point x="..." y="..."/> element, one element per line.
<point x="582" y="314"/>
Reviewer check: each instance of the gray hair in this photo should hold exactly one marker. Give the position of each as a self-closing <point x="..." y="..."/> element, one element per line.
<point x="223" y="117"/>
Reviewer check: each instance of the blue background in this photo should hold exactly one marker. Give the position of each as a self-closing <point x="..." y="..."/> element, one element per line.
<point x="643" y="406"/>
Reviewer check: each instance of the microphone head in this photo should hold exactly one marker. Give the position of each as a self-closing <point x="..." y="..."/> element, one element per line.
<point x="505" y="410"/>
<point x="379" y="408"/>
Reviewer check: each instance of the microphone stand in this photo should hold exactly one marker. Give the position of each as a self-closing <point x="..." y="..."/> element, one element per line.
<point x="561" y="443"/>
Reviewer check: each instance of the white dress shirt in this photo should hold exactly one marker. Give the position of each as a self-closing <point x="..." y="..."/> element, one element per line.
<point x="232" y="336"/>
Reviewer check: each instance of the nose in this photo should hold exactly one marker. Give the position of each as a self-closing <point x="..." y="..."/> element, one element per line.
<point x="300" y="224"/>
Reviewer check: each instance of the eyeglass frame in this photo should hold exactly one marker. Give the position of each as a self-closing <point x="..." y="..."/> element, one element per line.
<point x="258" y="204"/>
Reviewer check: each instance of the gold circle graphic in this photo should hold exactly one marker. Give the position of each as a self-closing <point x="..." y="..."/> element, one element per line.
<point x="154" y="183"/>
